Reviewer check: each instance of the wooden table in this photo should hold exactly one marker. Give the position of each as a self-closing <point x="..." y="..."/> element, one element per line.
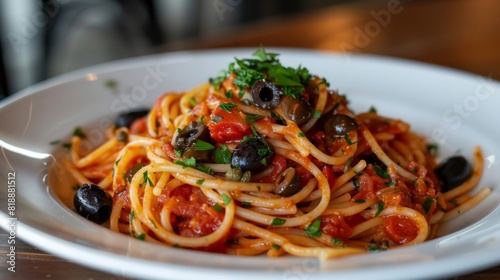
<point x="463" y="34"/>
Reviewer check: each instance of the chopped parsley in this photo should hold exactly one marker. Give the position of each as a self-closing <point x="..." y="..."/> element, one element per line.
<point x="359" y="201"/>
<point x="229" y="94"/>
<point x="276" y="246"/>
<point x="227" y="106"/>
<point x="217" y="207"/>
<point x="141" y="236"/>
<point x="301" y="134"/>
<point x="432" y="149"/>
<point x="380" y="207"/>
<point x="146" y="179"/>
<point x="205" y="169"/>
<point x="277" y="222"/>
<point x="201" y="145"/>
<point x="192" y="101"/>
<point x="314" y="229"/>
<point x="373" y="110"/>
<point x="132" y="215"/>
<point x="427" y="204"/>
<point x="200" y="181"/>
<point x="223" y="155"/>
<point x="380" y="172"/>
<point x="226" y="199"/>
<point x="251" y="118"/>
<point x="178" y="152"/>
<point x="294" y="92"/>
<point x="348" y="140"/>
<point x="246" y="204"/>
<point x="337" y="241"/>
<point x="189" y="162"/>
<point x="317" y="114"/>
<point x="79" y="133"/>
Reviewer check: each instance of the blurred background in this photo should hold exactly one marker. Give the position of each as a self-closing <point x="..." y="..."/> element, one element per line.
<point x="44" y="38"/>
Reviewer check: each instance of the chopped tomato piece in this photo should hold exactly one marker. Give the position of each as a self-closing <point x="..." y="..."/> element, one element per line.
<point x="278" y="166"/>
<point x="399" y="229"/>
<point x="139" y="126"/>
<point x="336" y="226"/>
<point x="330" y="176"/>
<point x="227" y="126"/>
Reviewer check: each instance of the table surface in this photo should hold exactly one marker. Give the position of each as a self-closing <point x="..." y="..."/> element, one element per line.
<point x="462" y="34"/>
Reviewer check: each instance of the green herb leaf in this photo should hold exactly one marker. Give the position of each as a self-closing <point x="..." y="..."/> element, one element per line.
<point x="178" y="152"/>
<point x="373" y="110"/>
<point x="141" y="236"/>
<point x="380" y="172"/>
<point x="246" y="204"/>
<point x="189" y="162"/>
<point x="294" y="92"/>
<point x="223" y="155"/>
<point x="314" y="229"/>
<point x="348" y="140"/>
<point x="301" y="134"/>
<point x="226" y="199"/>
<point x="200" y="181"/>
<point x="79" y="133"/>
<point x="359" y="201"/>
<point x="427" y="204"/>
<point x="205" y="169"/>
<point x="317" y="114"/>
<point x="146" y="179"/>
<point x="276" y="246"/>
<point x="201" y="145"/>
<point x="132" y="215"/>
<point x="251" y="118"/>
<point x="277" y="222"/>
<point x="227" y="106"/>
<point x="217" y="207"/>
<point x="192" y="101"/>
<point x="337" y="241"/>
<point x="380" y="207"/>
<point x="229" y="94"/>
<point x="432" y="149"/>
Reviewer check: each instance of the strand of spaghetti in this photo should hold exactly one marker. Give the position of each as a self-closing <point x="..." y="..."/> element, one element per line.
<point x="280" y="201"/>
<point x="292" y="134"/>
<point x="165" y="218"/>
<point x="351" y="210"/>
<point x="196" y="94"/>
<point x="77" y="175"/>
<point x="151" y="123"/>
<point x="366" y="225"/>
<point x="473" y="181"/>
<point x="436" y="217"/>
<point x="291" y="210"/>
<point x="466" y="206"/>
<point x="321" y="253"/>
<point x="381" y="154"/>
<point x="106" y="182"/>
<point x="162" y="182"/>
<point x="416" y="217"/>
<point x="115" y="215"/>
<point x="281" y="144"/>
<point x="344" y="178"/>
<point x="322" y="185"/>
<point x="319" y="107"/>
<point x="90" y="158"/>
<point x="170" y="110"/>
<point x="161" y="233"/>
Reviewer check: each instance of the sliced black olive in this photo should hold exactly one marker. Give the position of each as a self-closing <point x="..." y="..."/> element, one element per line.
<point x="126" y="119"/>
<point x="131" y="172"/>
<point x="265" y="95"/>
<point x="93" y="203"/>
<point x="296" y="110"/>
<point x="186" y="141"/>
<point x="252" y="155"/>
<point x="338" y="125"/>
<point x="289" y="185"/>
<point x="453" y="172"/>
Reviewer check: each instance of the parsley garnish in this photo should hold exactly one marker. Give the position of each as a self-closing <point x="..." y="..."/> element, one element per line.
<point x="79" y="133"/>
<point x="200" y="181"/>
<point x="145" y="179"/>
<point x="380" y="172"/>
<point x="246" y="204"/>
<point x="301" y="134"/>
<point x="223" y="155"/>
<point x="314" y="229"/>
<point x="427" y="204"/>
<point x="292" y="91"/>
<point x="276" y="246"/>
<point x="250" y="118"/>
<point x="229" y="94"/>
<point x="141" y="236"/>
<point x="178" y="152"/>
<point x="205" y="169"/>
<point x="337" y="241"/>
<point x="380" y="207"/>
<point x="432" y="149"/>
<point x="189" y="162"/>
<point x="348" y="140"/>
<point x="132" y="215"/>
<point x="359" y="201"/>
<point x="373" y="110"/>
<point x="192" y="101"/>
<point x="317" y="114"/>
<point x="201" y="145"/>
<point x="226" y="199"/>
<point x="277" y="222"/>
<point x="217" y="207"/>
<point x="227" y="106"/>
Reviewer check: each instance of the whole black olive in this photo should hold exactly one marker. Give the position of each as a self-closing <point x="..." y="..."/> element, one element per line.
<point x="296" y="110"/>
<point x="93" y="203"/>
<point x="290" y="184"/>
<point x="186" y="141"/>
<point x="265" y="95"/>
<point x="339" y="125"/>
<point x="252" y="155"/>
<point x="453" y="172"/>
<point x="126" y="119"/>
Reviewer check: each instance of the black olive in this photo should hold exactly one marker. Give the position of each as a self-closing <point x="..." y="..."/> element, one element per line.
<point x="290" y="184"/>
<point x="373" y="159"/>
<point x="296" y="110"/>
<point x="131" y="172"/>
<point x="93" y="203"/>
<point x="338" y="125"/>
<point x="453" y="172"/>
<point x="186" y="141"/>
<point x="265" y="95"/>
<point x="126" y="119"/>
<point x="252" y="155"/>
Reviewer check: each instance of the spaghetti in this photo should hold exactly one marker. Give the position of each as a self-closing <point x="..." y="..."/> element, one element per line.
<point x="265" y="159"/>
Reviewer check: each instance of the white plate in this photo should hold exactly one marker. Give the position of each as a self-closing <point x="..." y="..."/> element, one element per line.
<point x="454" y="109"/>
